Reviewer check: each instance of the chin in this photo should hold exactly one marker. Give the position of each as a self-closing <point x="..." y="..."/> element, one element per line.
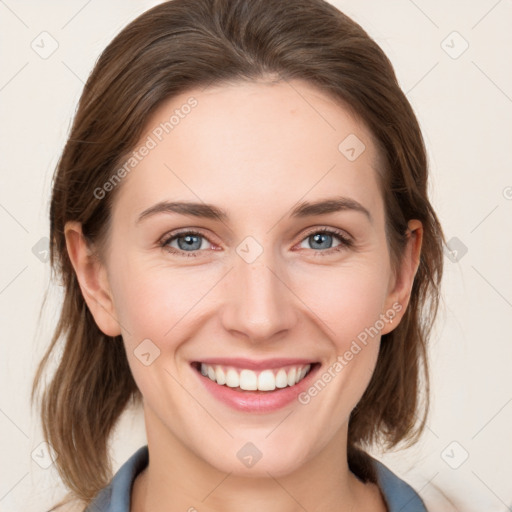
<point x="256" y="459"/>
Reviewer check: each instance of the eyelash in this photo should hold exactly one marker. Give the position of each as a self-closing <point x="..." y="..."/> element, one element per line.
<point x="346" y="242"/>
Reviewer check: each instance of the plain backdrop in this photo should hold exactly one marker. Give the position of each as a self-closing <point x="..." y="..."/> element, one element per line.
<point x="453" y="61"/>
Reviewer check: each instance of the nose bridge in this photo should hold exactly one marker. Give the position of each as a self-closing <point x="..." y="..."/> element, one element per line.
<point x="260" y="305"/>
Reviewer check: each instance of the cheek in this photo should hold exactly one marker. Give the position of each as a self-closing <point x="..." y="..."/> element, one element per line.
<point x="151" y="300"/>
<point x="348" y="300"/>
<point x="350" y="305"/>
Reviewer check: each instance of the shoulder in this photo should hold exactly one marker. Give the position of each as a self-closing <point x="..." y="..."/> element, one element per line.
<point x="399" y="495"/>
<point x="117" y="495"/>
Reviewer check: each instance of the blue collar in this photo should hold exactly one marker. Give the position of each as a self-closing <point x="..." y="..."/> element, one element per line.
<point x="399" y="496"/>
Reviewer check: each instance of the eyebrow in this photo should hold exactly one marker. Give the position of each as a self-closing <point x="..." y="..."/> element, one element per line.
<point x="210" y="211"/>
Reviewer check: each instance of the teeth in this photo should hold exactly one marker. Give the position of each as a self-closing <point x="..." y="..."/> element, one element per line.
<point x="266" y="381"/>
<point x="248" y="380"/>
<point x="220" y="376"/>
<point x="281" y="379"/>
<point x="291" y="376"/>
<point x="232" y="378"/>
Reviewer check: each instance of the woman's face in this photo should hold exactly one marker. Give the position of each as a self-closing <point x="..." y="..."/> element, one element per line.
<point x="258" y="294"/>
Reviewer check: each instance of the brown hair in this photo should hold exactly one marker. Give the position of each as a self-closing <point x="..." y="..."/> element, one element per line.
<point x="170" y="49"/>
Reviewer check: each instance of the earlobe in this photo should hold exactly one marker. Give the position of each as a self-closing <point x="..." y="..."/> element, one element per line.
<point x="403" y="283"/>
<point x="92" y="278"/>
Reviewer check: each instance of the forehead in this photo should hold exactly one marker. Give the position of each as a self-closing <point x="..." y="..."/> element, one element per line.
<point x="247" y="144"/>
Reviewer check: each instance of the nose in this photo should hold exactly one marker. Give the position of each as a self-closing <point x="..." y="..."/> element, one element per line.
<point x="259" y="305"/>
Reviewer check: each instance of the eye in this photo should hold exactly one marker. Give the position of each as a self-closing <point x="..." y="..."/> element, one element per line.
<point x="187" y="242"/>
<point x="323" y="239"/>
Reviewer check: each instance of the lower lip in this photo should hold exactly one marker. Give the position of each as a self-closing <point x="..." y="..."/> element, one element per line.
<point x="257" y="401"/>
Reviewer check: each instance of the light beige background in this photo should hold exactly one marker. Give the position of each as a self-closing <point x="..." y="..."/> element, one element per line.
<point x="464" y="104"/>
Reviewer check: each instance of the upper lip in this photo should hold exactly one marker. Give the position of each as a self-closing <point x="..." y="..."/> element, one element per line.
<point x="251" y="364"/>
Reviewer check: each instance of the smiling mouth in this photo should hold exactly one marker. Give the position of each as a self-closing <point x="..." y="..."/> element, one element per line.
<point x="243" y="379"/>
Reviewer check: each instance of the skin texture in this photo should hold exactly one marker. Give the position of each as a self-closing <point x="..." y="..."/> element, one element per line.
<point x="255" y="150"/>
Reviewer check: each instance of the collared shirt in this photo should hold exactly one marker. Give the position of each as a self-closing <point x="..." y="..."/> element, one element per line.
<point x="116" y="497"/>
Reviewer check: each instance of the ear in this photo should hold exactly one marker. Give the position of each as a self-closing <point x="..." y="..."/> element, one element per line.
<point x="92" y="278"/>
<point x="401" y="284"/>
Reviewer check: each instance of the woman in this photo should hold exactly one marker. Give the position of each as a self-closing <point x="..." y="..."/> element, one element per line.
<point x="241" y="223"/>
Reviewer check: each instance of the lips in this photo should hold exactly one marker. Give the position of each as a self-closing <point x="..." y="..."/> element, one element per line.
<point x="251" y="364"/>
<point x="251" y="372"/>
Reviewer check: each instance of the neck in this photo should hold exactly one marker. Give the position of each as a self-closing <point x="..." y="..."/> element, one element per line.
<point x="176" y="479"/>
